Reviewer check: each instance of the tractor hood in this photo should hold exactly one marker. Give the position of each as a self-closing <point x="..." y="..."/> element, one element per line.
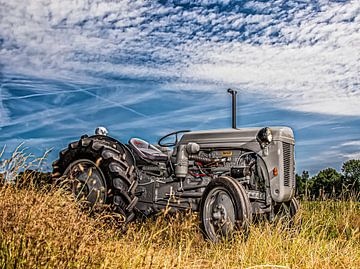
<point x="284" y="134"/>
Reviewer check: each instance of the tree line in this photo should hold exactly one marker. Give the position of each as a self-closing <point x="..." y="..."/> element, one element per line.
<point x="331" y="184"/>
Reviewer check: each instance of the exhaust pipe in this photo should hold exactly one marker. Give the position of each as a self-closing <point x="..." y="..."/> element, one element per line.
<point x="233" y="95"/>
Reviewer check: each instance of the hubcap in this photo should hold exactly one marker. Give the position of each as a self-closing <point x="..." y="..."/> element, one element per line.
<point x="219" y="213"/>
<point x="88" y="182"/>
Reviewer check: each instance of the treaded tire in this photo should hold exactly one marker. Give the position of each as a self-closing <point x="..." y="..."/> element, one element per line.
<point x="116" y="164"/>
<point x="240" y="202"/>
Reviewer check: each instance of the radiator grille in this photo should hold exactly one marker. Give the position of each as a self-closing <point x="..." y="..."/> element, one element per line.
<point x="288" y="155"/>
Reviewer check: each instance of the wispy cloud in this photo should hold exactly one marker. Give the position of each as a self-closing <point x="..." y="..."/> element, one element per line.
<point x="353" y="156"/>
<point x="69" y="66"/>
<point x="4" y="116"/>
<point x="304" y="54"/>
<point x="355" y="143"/>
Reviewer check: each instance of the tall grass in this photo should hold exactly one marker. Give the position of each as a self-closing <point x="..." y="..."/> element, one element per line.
<point x="45" y="229"/>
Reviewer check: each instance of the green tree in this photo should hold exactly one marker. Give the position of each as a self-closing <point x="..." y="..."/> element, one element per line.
<point x="302" y="184"/>
<point x="326" y="184"/>
<point x="351" y="178"/>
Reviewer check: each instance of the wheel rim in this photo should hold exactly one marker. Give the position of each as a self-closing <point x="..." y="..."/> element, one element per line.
<point x="87" y="181"/>
<point x="286" y="212"/>
<point x="219" y="213"/>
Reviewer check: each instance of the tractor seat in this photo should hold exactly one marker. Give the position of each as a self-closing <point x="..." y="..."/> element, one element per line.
<point x="147" y="151"/>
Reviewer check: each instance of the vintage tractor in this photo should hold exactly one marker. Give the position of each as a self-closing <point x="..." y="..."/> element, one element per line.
<point x="230" y="176"/>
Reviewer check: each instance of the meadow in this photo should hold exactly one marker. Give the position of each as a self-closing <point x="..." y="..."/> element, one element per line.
<point x="44" y="228"/>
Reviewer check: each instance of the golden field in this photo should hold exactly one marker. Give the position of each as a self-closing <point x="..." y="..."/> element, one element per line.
<point x="42" y="227"/>
<point x="46" y="229"/>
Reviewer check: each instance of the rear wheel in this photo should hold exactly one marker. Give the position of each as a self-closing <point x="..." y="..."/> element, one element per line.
<point x="224" y="208"/>
<point x="99" y="171"/>
<point x="87" y="181"/>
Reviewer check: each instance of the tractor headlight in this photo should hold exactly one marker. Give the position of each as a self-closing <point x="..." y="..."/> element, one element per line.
<point x="264" y="137"/>
<point x="101" y="131"/>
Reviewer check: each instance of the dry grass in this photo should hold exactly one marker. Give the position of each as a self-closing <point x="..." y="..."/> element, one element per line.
<point x="45" y="229"/>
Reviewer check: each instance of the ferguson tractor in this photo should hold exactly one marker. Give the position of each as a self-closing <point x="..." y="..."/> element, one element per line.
<point x="230" y="176"/>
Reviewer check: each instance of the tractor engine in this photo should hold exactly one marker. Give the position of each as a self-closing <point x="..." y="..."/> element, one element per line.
<point x="244" y="155"/>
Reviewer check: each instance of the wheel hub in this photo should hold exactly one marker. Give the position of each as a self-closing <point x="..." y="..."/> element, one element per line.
<point x="219" y="214"/>
<point x="88" y="181"/>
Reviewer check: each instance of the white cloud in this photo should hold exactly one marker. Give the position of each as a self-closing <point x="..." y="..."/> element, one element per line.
<point x="351" y="156"/>
<point x="315" y="67"/>
<point x="306" y="56"/>
<point x="352" y="143"/>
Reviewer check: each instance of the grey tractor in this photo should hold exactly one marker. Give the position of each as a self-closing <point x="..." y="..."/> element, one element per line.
<point x="230" y="176"/>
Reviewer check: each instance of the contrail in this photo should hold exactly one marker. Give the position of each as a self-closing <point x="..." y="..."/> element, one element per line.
<point x="110" y="101"/>
<point x="74" y="91"/>
<point x="39" y="94"/>
<point x="117" y="104"/>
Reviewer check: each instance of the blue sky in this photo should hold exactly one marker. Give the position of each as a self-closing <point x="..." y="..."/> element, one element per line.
<point x="145" y="68"/>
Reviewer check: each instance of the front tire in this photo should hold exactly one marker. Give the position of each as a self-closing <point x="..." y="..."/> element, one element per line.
<point x="224" y="208"/>
<point x="286" y="212"/>
<point x="101" y="172"/>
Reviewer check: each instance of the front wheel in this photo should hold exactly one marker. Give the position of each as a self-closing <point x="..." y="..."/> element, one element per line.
<point x="286" y="212"/>
<point x="224" y="208"/>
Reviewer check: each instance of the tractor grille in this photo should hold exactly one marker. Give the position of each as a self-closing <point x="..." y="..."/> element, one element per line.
<point x="288" y="155"/>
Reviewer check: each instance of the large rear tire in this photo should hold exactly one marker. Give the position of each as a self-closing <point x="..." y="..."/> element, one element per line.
<point x="101" y="172"/>
<point x="224" y="208"/>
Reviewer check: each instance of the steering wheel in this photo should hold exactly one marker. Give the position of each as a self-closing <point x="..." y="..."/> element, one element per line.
<point x="176" y="138"/>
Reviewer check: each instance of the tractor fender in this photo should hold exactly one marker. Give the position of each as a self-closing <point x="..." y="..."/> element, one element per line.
<point x="116" y="143"/>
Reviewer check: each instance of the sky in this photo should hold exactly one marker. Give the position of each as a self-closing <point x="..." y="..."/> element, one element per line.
<point x="146" y="68"/>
